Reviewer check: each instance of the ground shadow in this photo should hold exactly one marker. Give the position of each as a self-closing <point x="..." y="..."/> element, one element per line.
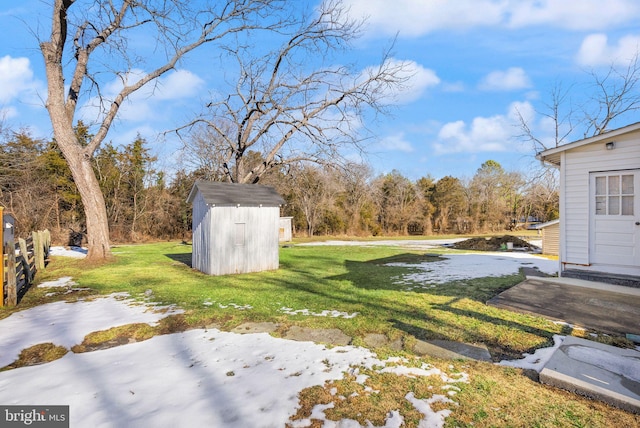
<point x="184" y="258"/>
<point x="381" y="274"/>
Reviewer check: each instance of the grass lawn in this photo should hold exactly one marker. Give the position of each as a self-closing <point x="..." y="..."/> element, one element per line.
<point x="350" y="280"/>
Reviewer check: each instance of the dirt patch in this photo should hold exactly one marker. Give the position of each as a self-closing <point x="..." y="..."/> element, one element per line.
<point x="495" y="243"/>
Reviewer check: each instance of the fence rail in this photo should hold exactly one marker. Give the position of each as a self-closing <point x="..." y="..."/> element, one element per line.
<point x="21" y="261"/>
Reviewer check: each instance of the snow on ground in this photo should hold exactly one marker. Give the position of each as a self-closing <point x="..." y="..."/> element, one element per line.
<point x="210" y="377"/>
<point x="538" y="359"/>
<point x="195" y="378"/>
<point x="66" y="324"/>
<point x="418" y="244"/>
<point x="324" y="313"/>
<point x="455" y="267"/>
<point x="76" y="252"/>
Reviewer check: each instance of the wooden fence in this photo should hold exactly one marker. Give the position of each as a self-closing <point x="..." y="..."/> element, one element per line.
<point x="20" y="262"/>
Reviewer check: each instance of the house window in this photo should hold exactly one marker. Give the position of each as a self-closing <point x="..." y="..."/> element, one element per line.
<point x="240" y="234"/>
<point x="614" y="195"/>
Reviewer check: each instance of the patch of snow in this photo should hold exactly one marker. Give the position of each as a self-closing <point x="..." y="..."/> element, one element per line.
<point x="538" y="359"/>
<point x="325" y="313"/>
<point x="235" y="306"/>
<point x="65" y="281"/>
<point x="456" y="267"/>
<point x="76" y="252"/>
<point x="66" y="324"/>
<point x="417" y="244"/>
<point x="210" y="302"/>
<point x="431" y="419"/>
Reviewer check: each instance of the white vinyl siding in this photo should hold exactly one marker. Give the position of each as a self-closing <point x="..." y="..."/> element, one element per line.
<point x="577" y="164"/>
<point x="230" y="239"/>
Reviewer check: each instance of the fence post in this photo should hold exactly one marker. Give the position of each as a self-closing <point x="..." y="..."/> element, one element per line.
<point x="2" y="264"/>
<point x="12" y="292"/>
<point x="25" y="257"/>
<point x="38" y="249"/>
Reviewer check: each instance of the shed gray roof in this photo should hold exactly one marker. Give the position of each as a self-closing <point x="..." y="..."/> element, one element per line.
<point x="216" y="193"/>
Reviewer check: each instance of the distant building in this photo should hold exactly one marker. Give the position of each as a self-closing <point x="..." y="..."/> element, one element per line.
<point x="550" y="232"/>
<point x="235" y="227"/>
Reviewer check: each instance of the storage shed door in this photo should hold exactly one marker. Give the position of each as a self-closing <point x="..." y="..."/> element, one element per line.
<point x="615" y="218"/>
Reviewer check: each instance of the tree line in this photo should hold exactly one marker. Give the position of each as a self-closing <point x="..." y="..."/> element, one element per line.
<point x="279" y="119"/>
<point x="145" y="203"/>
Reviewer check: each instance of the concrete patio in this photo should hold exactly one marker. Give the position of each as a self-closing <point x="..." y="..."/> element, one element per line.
<point x="599" y="371"/>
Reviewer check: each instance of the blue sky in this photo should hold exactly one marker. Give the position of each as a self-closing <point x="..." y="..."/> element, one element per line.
<point x="476" y="64"/>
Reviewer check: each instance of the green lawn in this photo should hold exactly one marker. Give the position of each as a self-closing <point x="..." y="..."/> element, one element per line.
<point x="351" y="279"/>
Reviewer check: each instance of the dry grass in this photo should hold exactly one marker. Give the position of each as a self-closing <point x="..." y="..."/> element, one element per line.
<point x="495" y="396"/>
<point x="37" y="354"/>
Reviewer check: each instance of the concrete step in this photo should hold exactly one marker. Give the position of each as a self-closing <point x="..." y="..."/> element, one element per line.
<point x="595" y="370"/>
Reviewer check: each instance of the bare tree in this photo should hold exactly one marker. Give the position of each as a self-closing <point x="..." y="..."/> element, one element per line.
<point x="616" y="93"/>
<point x="561" y="114"/>
<point x="613" y="94"/>
<point x="91" y="40"/>
<point x="290" y="110"/>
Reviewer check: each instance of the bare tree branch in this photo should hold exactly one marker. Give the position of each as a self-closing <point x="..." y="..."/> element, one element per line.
<point x="288" y="113"/>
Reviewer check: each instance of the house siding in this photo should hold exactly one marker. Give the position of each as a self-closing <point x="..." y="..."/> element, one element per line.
<point x="577" y="164"/>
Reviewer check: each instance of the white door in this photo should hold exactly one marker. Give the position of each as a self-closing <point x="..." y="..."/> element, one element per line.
<point x="615" y="218"/>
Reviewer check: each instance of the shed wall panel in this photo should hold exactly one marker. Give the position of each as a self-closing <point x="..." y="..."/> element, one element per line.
<point x="200" y="255"/>
<point x="257" y="250"/>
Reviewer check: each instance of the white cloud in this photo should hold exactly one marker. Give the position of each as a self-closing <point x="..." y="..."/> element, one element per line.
<point x="483" y="134"/>
<point x="508" y="80"/>
<point x="144" y="104"/>
<point x="595" y="50"/>
<point x="180" y="84"/>
<point x="413" y="18"/>
<point x="572" y="14"/>
<point x="395" y="143"/>
<point x="16" y="79"/>
<point x="417" y="80"/>
<point x="418" y="17"/>
<point x="421" y="79"/>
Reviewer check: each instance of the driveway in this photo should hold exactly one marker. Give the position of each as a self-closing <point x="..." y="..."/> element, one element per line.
<point x="593" y="305"/>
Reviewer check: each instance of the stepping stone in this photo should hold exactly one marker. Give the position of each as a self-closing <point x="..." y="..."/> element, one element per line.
<point x="329" y="336"/>
<point x="446" y="349"/>
<point x="377" y="340"/>
<point x="596" y="370"/>
<point x="256" y="327"/>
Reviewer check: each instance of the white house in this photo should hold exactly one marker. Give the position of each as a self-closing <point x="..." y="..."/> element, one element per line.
<point x="600" y="205"/>
<point x="235" y="227"/>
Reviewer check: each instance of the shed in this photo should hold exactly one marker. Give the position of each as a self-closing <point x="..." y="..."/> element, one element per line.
<point x="235" y="227"/>
<point x="550" y="232"/>
<point x="599" y="204"/>
<point x="286" y="229"/>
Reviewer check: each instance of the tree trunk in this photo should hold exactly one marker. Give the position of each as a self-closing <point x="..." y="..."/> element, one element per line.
<point x="92" y="200"/>
<point x="78" y="157"/>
